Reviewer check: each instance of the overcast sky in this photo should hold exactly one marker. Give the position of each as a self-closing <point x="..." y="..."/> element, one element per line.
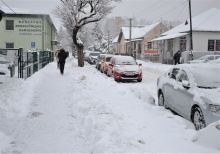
<point x="153" y="10"/>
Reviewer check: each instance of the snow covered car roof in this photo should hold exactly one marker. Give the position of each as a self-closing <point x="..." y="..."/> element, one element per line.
<point x="124" y="60"/>
<point x="204" y="74"/>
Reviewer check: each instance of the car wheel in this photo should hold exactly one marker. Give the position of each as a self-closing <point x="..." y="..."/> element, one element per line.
<point x="198" y="118"/>
<point x="161" y="100"/>
<point x="139" y="80"/>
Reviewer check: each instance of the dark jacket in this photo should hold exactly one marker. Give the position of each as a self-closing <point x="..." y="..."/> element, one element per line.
<point x="177" y="56"/>
<point x="62" y="56"/>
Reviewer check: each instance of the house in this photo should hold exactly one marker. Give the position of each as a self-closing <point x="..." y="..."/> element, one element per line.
<point x="140" y="39"/>
<point x="27" y="30"/>
<point x="205" y="37"/>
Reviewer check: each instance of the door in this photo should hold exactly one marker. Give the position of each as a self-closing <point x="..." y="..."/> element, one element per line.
<point x="169" y="88"/>
<point x="183" y="98"/>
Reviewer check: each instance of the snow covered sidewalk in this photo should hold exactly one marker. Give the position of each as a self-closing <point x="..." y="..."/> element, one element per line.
<point x="86" y="111"/>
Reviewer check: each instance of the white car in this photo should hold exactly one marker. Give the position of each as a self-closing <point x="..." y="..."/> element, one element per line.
<point x="192" y="91"/>
<point x="93" y="57"/>
<point x="205" y="59"/>
<point x="6" y="67"/>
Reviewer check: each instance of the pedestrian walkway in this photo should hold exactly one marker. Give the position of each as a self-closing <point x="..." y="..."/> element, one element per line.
<point x="47" y="127"/>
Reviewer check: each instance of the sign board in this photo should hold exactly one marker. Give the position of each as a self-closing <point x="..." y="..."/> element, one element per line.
<point x="32" y="44"/>
<point x="54" y="42"/>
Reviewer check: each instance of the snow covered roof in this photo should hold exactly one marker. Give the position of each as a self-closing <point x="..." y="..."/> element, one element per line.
<point x="19" y="12"/>
<point x="170" y="36"/>
<point x="115" y="39"/>
<point x="206" y="21"/>
<point x="137" y="32"/>
<point x="6" y="10"/>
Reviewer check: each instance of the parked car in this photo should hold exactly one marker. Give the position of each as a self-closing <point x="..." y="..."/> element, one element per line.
<point x="104" y="63"/>
<point x="98" y="61"/>
<point x="192" y="91"/>
<point x="124" y="68"/>
<point x="214" y="61"/>
<point x="7" y="67"/>
<point x="205" y="59"/>
<point x="86" y="55"/>
<point x="93" y="57"/>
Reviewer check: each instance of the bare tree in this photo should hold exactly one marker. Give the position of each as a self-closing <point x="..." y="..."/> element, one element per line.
<point x="74" y="14"/>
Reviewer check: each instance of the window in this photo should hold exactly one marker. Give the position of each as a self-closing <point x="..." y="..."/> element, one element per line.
<point x="9" y="45"/>
<point x="213" y="45"/>
<point x="217" y="47"/>
<point x="174" y="73"/>
<point x="183" y="76"/>
<point x="149" y="45"/>
<point x="9" y="25"/>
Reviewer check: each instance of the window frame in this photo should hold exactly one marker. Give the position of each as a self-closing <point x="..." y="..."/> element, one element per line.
<point x="10" y="25"/>
<point x="9" y="43"/>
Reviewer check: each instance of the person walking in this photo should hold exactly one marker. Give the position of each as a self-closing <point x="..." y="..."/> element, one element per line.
<point x="57" y="59"/>
<point x="176" y="57"/>
<point x="62" y="59"/>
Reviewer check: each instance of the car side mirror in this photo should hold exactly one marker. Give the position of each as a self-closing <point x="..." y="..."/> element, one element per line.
<point x="186" y="84"/>
<point x="139" y="64"/>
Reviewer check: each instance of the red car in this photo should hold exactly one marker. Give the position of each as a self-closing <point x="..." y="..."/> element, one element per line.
<point x="124" y="68"/>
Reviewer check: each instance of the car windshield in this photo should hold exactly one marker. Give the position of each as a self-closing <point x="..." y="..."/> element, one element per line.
<point x="108" y="59"/>
<point x="204" y="58"/>
<point x="125" y="61"/>
<point x="207" y="78"/>
<point x="94" y="54"/>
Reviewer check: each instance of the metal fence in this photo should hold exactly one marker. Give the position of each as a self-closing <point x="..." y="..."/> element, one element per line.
<point x="157" y="58"/>
<point x="30" y="62"/>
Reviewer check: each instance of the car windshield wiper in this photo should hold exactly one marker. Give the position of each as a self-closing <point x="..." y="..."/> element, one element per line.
<point x="206" y="87"/>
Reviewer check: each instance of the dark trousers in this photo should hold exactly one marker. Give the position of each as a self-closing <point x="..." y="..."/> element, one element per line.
<point x="177" y="62"/>
<point x="62" y="64"/>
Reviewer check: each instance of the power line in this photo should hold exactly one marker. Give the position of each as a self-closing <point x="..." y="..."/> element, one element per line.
<point x="22" y="18"/>
<point x="170" y="10"/>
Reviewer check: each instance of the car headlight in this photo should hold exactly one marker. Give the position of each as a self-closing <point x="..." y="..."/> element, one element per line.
<point x="214" y="108"/>
<point x="138" y="71"/>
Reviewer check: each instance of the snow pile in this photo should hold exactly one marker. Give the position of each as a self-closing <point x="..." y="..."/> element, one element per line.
<point x="84" y="111"/>
<point x="4" y="141"/>
<point x="209" y="136"/>
<point x="16" y="95"/>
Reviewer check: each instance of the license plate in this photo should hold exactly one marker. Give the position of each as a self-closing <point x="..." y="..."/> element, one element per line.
<point x="129" y="74"/>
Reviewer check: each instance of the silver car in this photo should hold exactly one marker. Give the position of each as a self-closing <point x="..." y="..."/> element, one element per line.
<point x="192" y="91"/>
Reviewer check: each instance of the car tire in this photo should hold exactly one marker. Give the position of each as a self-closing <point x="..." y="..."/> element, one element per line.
<point x="198" y="118"/>
<point x="139" y="80"/>
<point x="161" y="100"/>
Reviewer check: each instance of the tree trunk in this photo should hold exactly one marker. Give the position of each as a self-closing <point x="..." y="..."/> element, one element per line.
<point x="80" y="56"/>
<point x="79" y="47"/>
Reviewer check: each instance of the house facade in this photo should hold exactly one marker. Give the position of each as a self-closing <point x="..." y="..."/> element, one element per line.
<point x="27" y="31"/>
<point x="140" y="39"/>
<point x="205" y="37"/>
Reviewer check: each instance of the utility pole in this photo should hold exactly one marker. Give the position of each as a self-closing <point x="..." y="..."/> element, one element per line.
<point x="108" y="41"/>
<point x="191" y="39"/>
<point x="130" y="43"/>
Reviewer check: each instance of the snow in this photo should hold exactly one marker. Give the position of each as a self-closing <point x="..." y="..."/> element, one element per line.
<point x="84" y="111"/>
<point x="205" y="21"/>
<point x="138" y="32"/>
